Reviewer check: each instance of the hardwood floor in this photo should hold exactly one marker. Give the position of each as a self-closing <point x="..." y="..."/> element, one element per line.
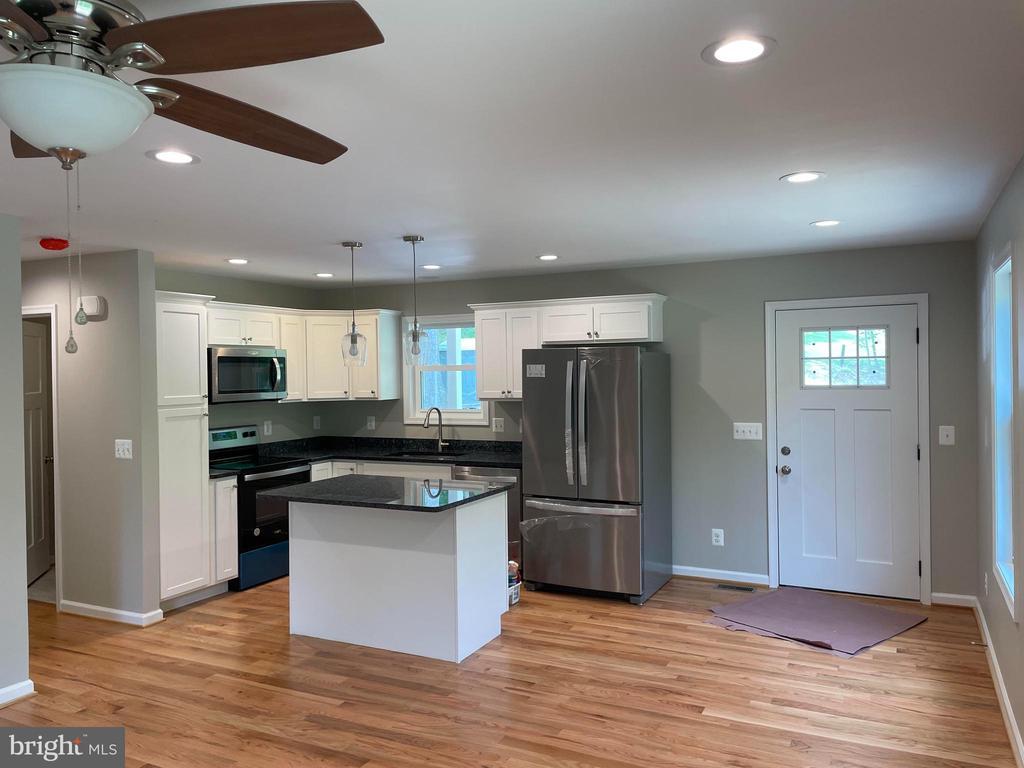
<point x="572" y="682"/>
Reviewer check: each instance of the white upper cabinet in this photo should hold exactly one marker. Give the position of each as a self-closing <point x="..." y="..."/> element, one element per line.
<point x="603" y="319"/>
<point x="327" y="377"/>
<point x="293" y="342"/>
<point x="567" y="323"/>
<point x="622" y="321"/>
<point x="232" y="326"/>
<point x="501" y="337"/>
<point x="365" y="380"/>
<point x="181" y="350"/>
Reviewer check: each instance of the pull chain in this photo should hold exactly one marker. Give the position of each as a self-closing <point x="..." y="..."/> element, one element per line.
<point x="80" y="317"/>
<point x="71" y="346"/>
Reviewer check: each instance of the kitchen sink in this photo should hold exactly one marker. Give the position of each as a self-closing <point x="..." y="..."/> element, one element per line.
<point x="425" y="455"/>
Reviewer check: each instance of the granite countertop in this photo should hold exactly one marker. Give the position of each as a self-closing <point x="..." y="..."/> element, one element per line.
<point x="379" y="492"/>
<point x="217" y="474"/>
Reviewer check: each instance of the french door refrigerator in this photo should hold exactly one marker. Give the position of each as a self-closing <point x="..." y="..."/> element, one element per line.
<point x="597" y="512"/>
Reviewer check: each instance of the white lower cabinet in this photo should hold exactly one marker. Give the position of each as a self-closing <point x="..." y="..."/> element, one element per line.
<point x="339" y="468"/>
<point x="224" y="531"/>
<point x="413" y="471"/>
<point x="320" y="471"/>
<point x="184" y="500"/>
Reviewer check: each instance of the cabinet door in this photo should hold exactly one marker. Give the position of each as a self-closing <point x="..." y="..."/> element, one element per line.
<point x="226" y="327"/>
<point x="262" y="329"/>
<point x="571" y="322"/>
<point x="430" y="472"/>
<point x="522" y="334"/>
<point x="326" y="374"/>
<point x="293" y="342"/>
<point x="365" y="381"/>
<point x="626" y="321"/>
<point x="492" y="353"/>
<point x="184" y="500"/>
<point x="339" y="468"/>
<point x="181" y="354"/>
<point x="225" y="529"/>
<point x="320" y="471"/>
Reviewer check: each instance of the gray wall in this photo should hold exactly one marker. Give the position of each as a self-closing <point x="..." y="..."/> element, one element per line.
<point x="1005" y="224"/>
<point x="109" y="523"/>
<point x="714" y="329"/>
<point x="289" y="420"/>
<point x="13" y="599"/>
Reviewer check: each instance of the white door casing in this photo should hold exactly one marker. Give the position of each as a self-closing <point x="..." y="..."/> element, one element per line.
<point x="38" y="449"/>
<point x="849" y="510"/>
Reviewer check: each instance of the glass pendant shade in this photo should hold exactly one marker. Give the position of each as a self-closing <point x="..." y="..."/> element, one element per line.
<point x="415" y="344"/>
<point x="51" y="107"/>
<point x="80" y="317"/>
<point x="71" y="346"/>
<point x="354" y="348"/>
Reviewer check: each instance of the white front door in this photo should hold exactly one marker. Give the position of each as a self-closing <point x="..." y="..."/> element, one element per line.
<point x="38" y="448"/>
<point x="847" y="449"/>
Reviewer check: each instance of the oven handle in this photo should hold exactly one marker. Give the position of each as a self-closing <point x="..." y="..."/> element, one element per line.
<point x="278" y="473"/>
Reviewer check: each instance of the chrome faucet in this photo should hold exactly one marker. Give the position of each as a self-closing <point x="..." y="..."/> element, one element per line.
<point x="441" y="444"/>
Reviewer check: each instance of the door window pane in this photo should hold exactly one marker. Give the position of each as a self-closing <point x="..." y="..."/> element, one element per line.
<point x="844" y="343"/>
<point x="872" y="371"/>
<point x="815" y="344"/>
<point x="844" y="373"/>
<point x="844" y="357"/>
<point x="871" y="342"/>
<point x="816" y="373"/>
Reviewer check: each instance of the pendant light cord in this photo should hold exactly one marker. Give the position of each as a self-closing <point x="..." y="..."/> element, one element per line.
<point x="415" y="311"/>
<point x="352" y="250"/>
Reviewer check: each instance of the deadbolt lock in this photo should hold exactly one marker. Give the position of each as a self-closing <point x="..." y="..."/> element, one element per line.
<point x="786" y="450"/>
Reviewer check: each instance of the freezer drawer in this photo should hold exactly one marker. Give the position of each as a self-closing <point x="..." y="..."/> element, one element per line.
<point x="589" y="546"/>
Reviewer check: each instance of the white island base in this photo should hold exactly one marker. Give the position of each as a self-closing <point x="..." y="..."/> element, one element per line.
<point x="431" y="584"/>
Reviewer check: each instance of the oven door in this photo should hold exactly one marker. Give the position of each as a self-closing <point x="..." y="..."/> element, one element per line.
<point x="243" y="374"/>
<point x="262" y="522"/>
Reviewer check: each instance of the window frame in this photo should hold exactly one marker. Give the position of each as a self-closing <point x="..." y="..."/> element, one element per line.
<point x="413" y="414"/>
<point x="1007" y="582"/>
<point x="801" y="360"/>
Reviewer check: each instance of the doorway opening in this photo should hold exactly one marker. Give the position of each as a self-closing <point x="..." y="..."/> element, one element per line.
<point x="42" y="507"/>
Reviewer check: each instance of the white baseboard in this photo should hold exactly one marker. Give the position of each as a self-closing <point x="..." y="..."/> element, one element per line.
<point x="12" y="693"/>
<point x="193" y="597"/>
<point x="997" y="678"/>
<point x="716" y="575"/>
<point x="112" y="614"/>
<point x="948" y="598"/>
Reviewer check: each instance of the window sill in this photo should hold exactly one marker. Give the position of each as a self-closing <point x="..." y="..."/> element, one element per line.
<point x="1004" y="587"/>
<point x="453" y="420"/>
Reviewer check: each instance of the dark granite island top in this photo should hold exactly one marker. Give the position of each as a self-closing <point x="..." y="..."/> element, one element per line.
<point x="379" y="492"/>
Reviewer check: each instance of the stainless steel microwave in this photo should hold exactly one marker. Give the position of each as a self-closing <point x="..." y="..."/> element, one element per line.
<point x="243" y="374"/>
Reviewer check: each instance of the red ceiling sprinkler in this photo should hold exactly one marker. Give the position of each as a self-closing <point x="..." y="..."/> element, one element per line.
<point x="53" y="243"/>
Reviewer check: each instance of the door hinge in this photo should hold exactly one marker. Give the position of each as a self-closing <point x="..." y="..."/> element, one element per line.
<point x="918" y="335"/>
<point x="920" y="571"/>
<point x="919" y="452"/>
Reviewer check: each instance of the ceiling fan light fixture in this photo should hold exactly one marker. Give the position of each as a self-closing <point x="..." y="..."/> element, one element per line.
<point x="58" y="107"/>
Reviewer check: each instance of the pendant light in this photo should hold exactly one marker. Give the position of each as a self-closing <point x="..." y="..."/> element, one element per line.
<point x="70" y="346"/>
<point x="415" y="336"/>
<point x="80" y="317"/>
<point x="354" y="343"/>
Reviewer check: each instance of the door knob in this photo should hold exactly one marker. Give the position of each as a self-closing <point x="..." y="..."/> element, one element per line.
<point x="785" y="469"/>
<point x="785" y="451"/>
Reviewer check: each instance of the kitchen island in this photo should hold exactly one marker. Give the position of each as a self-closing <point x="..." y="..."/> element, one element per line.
<point x="414" y="566"/>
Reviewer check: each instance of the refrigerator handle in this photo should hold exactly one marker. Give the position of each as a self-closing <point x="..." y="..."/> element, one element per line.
<point x="582" y="422"/>
<point x="569" y="438"/>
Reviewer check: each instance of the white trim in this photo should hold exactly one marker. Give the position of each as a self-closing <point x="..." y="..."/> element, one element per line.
<point x="184" y="298"/>
<point x="949" y="598"/>
<point x="180" y="601"/>
<point x="1000" y="685"/>
<point x="713" y="574"/>
<point x="923" y="425"/>
<point x="112" y="614"/>
<point x="657" y="298"/>
<point x="15" y="692"/>
<point x="50" y="311"/>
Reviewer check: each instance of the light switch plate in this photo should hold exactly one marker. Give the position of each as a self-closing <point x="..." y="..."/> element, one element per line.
<point x="316" y="422"/>
<point x="947" y="435"/>
<point x="268" y="428"/>
<point x="122" y="449"/>
<point x="742" y="430"/>
<point x="371" y="423"/>
<point x="498" y="424"/>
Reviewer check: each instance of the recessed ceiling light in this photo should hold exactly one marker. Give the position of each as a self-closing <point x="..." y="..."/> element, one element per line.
<point x="802" y="177"/>
<point x="739" y="49"/>
<point x="325" y="274"/>
<point x="825" y="223"/>
<point x="238" y="261"/>
<point x="431" y="266"/>
<point x="548" y="257"/>
<point x="172" y="156"/>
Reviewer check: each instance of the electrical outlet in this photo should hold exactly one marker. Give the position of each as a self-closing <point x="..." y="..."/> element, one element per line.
<point x="947" y="435"/>
<point x="717" y="537"/>
<point x="498" y="424"/>
<point x="742" y="430"/>
<point x="268" y="428"/>
<point x="371" y="423"/>
<point x="316" y="422"/>
<point x="122" y="449"/>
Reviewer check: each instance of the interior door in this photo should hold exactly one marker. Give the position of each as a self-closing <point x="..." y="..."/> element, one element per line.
<point x="847" y="450"/>
<point x="38" y="448"/>
<point x="549" y="423"/>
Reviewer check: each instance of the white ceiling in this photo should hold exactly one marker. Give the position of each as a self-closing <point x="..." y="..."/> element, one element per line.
<point x="592" y="129"/>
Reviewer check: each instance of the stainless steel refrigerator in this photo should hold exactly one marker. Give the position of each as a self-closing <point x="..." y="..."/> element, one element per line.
<point x="597" y="509"/>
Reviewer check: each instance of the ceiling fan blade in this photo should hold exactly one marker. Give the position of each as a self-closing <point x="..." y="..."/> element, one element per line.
<point x="252" y="35"/>
<point x="9" y="10"/>
<point x="244" y="123"/>
<point x="22" y="149"/>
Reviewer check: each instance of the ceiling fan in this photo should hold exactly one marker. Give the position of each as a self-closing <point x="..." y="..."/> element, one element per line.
<point x="61" y="94"/>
